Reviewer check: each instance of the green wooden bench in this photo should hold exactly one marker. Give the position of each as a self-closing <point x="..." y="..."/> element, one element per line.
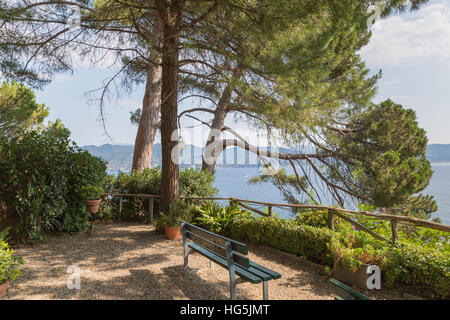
<point x="227" y="253"/>
<point x="345" y="292"/>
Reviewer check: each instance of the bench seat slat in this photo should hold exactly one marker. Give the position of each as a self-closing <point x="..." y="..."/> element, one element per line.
<point x="236" y="246"/>
<point x="222" y="262"/>
<point x="274" y="275"/>
<point x="264" y="276"/>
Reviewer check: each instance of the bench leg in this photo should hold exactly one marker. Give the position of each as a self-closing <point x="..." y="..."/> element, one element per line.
<point x="265" y="290"/>
<point x="232" y="284"/>
<point x="185" y="248"/>
<point x="232" y="270"/>
<point x="186" y="256"/>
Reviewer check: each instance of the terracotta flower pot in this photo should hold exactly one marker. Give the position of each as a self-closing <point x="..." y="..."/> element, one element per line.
<point x="172" y="233"/>
<point x="93" y="205"/>
<point x="3" y="287"/>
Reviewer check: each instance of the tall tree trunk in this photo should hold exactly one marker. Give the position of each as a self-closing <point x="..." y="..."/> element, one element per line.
<point x="171" y="19"/>
<point x="151" y="105"/>
<point x="209" y="160"/>
<point x="145" y="137"/>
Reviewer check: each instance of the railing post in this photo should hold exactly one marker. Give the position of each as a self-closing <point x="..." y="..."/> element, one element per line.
<point x="331" y="218"/>
<point x="394" y="228"/>
<point x="270" y="210"/>
<point x="150" y="209"/>
<point x="120" y="208"/>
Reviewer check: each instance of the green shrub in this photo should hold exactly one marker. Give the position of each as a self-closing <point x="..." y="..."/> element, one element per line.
<point x="9" y="264"/>
<point x="41" y="176"/>
<point x="192" y="182"/>
<point x="284" y="235"/>
<point x="216" y="218"/>
<point x="178" y="210"/>
<point x="353" y="249"/>
<point x="147" y="181"/>
<point x="407" y="264"/>
<point x="425" y="267"/>
<point x="318" y="219"/>
<point x="91" y="192"/>
<point x="420" y="267"/>
<point x="196" y="183"/>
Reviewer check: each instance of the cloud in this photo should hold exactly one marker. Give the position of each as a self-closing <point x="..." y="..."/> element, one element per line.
<point x="404" y="38"/>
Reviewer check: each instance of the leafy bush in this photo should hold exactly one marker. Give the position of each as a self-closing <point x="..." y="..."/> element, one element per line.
<point x="426" y="267"/>
<point x="178" y="210"/>
<point x="216" y="218"/>
<point x="9" y="264"/>
<point x="353" y="249"/>
<point x="91" y="192"/>
<point x="41" y="175"/>
<point x="196" y="183"/>
<point x="408" y="264"/>
<point x="318" y="219"/>
<point x="284" y="235"/>
<point x="147" y="181"/>
<point x="420" y="267"/>
<point x="192" y="182"/>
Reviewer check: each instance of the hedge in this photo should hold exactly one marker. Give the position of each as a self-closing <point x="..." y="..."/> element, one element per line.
<point x="419" y="267"/>
<point x="405" y="264"/>
<point x="284" y="235"/>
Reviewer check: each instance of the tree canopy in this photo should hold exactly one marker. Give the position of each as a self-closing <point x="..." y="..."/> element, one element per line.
<point x="19" y="111"/>
<point x="290" y="65"/>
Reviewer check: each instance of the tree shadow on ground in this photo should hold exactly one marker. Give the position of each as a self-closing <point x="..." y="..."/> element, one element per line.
<point x="132" y="261"/>
<point x="192" y="286"/>
<point x="105" y="248"/>
<point x="310" y="276"/>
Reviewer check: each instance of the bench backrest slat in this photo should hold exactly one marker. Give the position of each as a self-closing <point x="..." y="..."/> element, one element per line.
<point x="235" y="245"/>
<point x="214" y="247"/>
<point x="217" y="248"/>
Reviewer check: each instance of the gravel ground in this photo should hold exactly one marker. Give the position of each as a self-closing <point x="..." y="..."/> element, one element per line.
<point x="132" y="261"/>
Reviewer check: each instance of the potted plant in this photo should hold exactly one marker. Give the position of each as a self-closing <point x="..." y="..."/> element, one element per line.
<point x="179" y="210"/>
<point x="353" y="276"/>
<point x="92" y="197"/>
<point x="351" y="262"/>
<point x="9" y="266"/>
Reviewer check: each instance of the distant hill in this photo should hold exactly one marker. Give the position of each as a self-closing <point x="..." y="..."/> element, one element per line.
<point x="120" y="157"/>
<point x="438" y="152"/>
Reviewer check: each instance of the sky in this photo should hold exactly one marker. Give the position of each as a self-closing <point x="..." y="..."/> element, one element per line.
<point x="411" y="49"/>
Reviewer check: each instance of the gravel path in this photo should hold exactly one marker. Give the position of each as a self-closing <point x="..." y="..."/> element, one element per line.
<point x="132" y="261"/>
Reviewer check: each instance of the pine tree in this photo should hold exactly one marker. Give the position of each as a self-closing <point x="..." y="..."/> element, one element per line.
<point x="19" y="111"/>
<point x="37" y="42"/>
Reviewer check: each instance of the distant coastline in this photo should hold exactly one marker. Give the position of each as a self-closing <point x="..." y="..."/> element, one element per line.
<point x="120" y="157"/>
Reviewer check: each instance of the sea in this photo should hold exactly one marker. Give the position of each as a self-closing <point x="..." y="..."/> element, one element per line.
<point x="233" y="182"/>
